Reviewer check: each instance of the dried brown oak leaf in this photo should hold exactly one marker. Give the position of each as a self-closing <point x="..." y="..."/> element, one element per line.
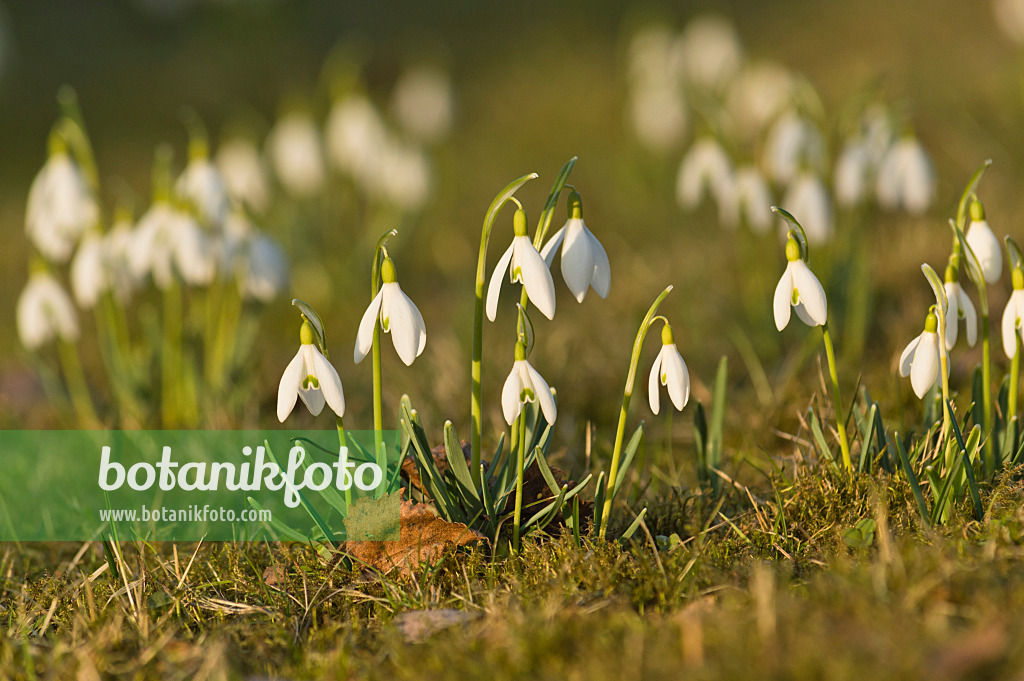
<point x="424" y="539"/>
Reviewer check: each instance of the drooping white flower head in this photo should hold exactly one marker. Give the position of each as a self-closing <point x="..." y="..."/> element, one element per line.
<point x="906" y="178"/>
<point x="397" y="315"/>
<point x="852" y="173"/>
<point x="524" y="384"/>
<point x="168" y="239"/>
<point x="984" y="244"/>
<point x="195" y="251"/>
<point x="524" y="264"/>
<point x="748" y="198"/>
<point x="757" y="95"/>
<point x="244" y="176"/>
<point x="920" y="359"/>
<point x="312" y="378"/>
<point x="670" y="371"/>
<point x="658" y="115"/>
<point x="117" y="245"/>
<point x="401" y="176"/>
<point x="265" y="272"/>
<point x="60" y="206"/>
<point x="960" y="308"/>
<point x="356" y="135"/>
<point x="201" y="185"/>
<point x="793" y="143"/>
<point x="422" y="102"/>
<point x="45" y="311"/>
<point x="90" y="272"/>
<point x="705" y="168"/>
<point x="799" y="289"/>
<point x="808" y="198"/>
<point x="710" y="51"/>
<point x="296" y="152"/>
<point x="1013" y="315"/>
<point x="584" y="261"/>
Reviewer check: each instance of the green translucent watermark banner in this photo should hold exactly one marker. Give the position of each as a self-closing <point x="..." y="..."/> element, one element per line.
<point x="213" y="485"/>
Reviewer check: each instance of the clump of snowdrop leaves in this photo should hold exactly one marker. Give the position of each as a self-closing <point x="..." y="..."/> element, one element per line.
<point x="920" y="359"/>
<point x="311" y="377"/>
<point x="45" y="311"/>
<point x="584" y="261"/>
<point x="60" y="206"/>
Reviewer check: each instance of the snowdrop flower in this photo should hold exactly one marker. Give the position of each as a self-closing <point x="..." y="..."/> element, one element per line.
<point x="852" y="174"/>
<point x="920" y="359"/>
<point x="906" y="178"/>
<point x="60" y="206"/>
<point x="202" y="186"/>
<point x="117" y="246"/>
<point x="152" y="250"/>
<point x="984" y="244"/>
<point x="584" y="261"/>
<point x="296" y="152"/>
<point x="808" y="198"/>
<point x="356" y="136"/>
<point x="265" y="272"/>
<point x="243" y="173"/>
<point x="398" y="316"/>
<point x="670" y="370"/>
<point x="757" y="95"/>
<point x="800" y="289"/>
<point x="195" y="251"/>
<point x="422" y="102"/>
<point x="793" y="143"/>
<point x="311" y="377"/>
<point x="710" y="51"/>
<point x="524" y="384"/>
<point x="45" y="311"/>
<point x="1013" y="315"/>
<point x="401" y="176"/>
<point x="960" y="307"/>
<point x="523" y="264"/>
<point x="747" y="197"/>
<point x="658" y="115"/>
<point x="705" y="166"/>
<point x="90" y="273"/>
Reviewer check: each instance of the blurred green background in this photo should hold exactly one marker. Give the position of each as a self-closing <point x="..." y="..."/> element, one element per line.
<point x="534" y="84"/>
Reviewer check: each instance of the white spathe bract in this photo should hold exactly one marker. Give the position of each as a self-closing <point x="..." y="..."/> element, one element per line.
<point x="799" y="289"/>
<point x="243" y="173"/>
<point x="705" y="169"/>
<point x="920" y="361"/>
<point x="523" y="264"/>
<point x="584" y="260"/>
<point x="670" y="370"/>
<point x="524" y="384"/>
<point x="1012" y="316"/>
<point x="906" y="178"/>
<point x="59" y="209"/>
<point x="297" y="154"/>
<point x="201" y="185"/>
<point x="90" y="272"/>
<point x="45" y="312"/>
<point x="397" y="315"/>
<point x="311" y="377"/>
<point x="808" y="198"/>
<point x="960" y="307"/>
<point x="749" y="198"/>
<point x="985" y="245"/>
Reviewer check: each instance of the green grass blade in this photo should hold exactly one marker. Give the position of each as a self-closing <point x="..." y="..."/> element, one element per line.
<point x="627" y="457"/>
<point x="972" y="481"/>
<point x="635" y="525"/>
<point x="915" y="487"/>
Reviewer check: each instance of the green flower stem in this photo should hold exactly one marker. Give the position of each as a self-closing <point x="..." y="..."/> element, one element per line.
<point x="986" y="375"/>
<point x="341" y="443"/>
<point x="81" y="400"/>
<point x="378" y="407"/>
<point x="627" y="394"/>
<point x="1014" y="382"/>
<point x="229" y="313"/>
<point x="837" y="399"/>
<point x="520" y="427"/>
<point x="170" y="356"/>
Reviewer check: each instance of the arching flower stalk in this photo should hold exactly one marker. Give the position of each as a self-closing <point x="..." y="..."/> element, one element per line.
<point x="1013" y="331"/>
<point x="800" y="289"/>
<point x="627" y="394"/>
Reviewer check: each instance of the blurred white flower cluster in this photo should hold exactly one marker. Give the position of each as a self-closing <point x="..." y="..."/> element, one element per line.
<point x="757" y="134"/>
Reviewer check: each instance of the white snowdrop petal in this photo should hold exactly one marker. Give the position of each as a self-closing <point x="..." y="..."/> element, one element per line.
<point x="653" y="390"/>
<point x="510" y="404"/>
<point x="288" y="389"/>
<point x="925" y="367"/>
<point x="907" y="357"/>
<point x="402" y="323"/>
<point x="577" y="259"/>
<point x="494" y="286"/>
<point x="811" y="294"/>
<point x="536" y="277"/>
<point x="330" y="382"/>
<point x="364" y="336"/>
<point x="783" y="299"/>
<point x="551" y="247"/>
<point x="543" y="393"/>
<point x="602" y="279"/>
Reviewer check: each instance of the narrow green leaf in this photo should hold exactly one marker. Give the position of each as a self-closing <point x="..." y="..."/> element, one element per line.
<point x="635" y="525"/>
<point x="1013" y="253"/>
<point x="908" y="470"/>
<point x="545" y="470"/>
<point x="544" y="221"/>
<point x="282" y="530"/>
<point x="972" y="482"/>
<point x="457" y="465"/>
<point x="627" y="457"/>
<point x="718" y="415"/>
<point x="972" y="184"/>
<point x="599" y="499"/>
